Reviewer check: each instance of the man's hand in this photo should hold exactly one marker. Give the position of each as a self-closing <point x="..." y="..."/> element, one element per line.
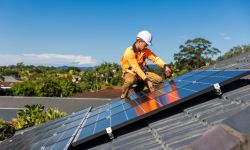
<point x="149" y="84"/>
<point x="168" y="72"/>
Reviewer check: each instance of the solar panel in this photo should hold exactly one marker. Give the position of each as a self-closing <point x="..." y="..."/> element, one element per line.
<point x="122" y="112"/>
<point x="56" y="134"/>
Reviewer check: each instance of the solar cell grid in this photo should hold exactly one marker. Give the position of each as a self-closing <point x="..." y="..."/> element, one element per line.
<point x="142" y="104"/>
<point x="59" y="145"/>
<point x="53" y="134"/>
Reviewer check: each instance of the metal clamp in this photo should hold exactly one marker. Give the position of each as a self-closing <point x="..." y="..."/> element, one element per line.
<point x="109" y="132"/>
<point x="218" y="89"/>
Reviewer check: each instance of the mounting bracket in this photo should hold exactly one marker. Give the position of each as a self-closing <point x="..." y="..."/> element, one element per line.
<point x="109" y="132"/>
<point x="218" y="89"/>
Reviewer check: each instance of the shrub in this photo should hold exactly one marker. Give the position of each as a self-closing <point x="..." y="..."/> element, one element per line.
<point x="34" y="115"/>
<point x="6" y="130"/>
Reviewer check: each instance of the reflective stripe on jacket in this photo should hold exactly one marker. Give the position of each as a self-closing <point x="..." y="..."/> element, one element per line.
<point x="133" y="60"/>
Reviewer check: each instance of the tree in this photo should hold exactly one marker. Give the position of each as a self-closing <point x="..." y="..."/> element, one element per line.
<point x="67" y="86"/>
<point x="82" y="86"/>
<point x="26" y="88"/>
<point x="48" y="87"/>
<point x="25" y="75"/>
<point x="195" y="54"/>
<point x="108" y="74"/>
<point x="73" y="70"/>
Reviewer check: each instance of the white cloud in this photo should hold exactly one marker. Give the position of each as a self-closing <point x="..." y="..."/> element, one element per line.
<point x="47" y="59"/>
<point x="227" y="38"/>
<point x="224" y="36"/>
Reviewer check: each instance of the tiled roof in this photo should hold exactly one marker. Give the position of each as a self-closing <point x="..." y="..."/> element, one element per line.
<point x="10" y="79"/>
<point x="239" y="62"/>
<point x="5" y="84"/>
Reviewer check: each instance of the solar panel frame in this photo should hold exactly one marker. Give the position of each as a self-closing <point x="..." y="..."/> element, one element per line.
<point x="132" y="119"/>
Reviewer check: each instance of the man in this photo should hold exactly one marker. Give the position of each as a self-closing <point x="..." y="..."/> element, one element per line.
<point x="133" y="61"/>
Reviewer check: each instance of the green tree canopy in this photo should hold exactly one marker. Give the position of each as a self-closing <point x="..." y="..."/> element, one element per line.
<point x="26" y="88"/>
<point x="46" y="81"/>
<point x="67" y="86"/>
<point x="195" y="54"/>
<point x="49" y="87"/>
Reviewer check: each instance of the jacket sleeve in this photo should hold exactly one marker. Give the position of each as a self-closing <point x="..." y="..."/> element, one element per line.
<point x="154" y="59"/>
<point x="130" y="55"/>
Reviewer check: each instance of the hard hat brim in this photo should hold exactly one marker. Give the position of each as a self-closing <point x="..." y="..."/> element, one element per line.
<point x="149" y="44"/>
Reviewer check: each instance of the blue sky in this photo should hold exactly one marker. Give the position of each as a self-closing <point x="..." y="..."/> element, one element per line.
<point x="89" y="32"/>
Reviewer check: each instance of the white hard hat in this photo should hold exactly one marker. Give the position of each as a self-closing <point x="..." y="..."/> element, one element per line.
<point x="145" y="36"/>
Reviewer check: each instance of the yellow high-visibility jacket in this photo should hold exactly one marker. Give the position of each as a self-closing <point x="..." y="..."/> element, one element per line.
<point x="133" y="60"/>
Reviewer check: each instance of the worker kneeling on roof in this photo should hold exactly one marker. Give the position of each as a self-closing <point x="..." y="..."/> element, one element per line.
<point x="133" y="62"/>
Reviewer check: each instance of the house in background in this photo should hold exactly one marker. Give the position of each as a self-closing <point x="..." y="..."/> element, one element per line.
<point x="74" y="78"/>
<point x="7" y="81"/>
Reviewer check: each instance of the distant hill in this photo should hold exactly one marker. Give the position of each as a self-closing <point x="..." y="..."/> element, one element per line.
<point x="81" y="68"/>
<point x="151" y="66"/>
<point x="86" y="68"/>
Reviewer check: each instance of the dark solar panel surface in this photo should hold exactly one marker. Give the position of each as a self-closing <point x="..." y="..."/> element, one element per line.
<point x="138" y="106"/>
<point x="52" y="135"/>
